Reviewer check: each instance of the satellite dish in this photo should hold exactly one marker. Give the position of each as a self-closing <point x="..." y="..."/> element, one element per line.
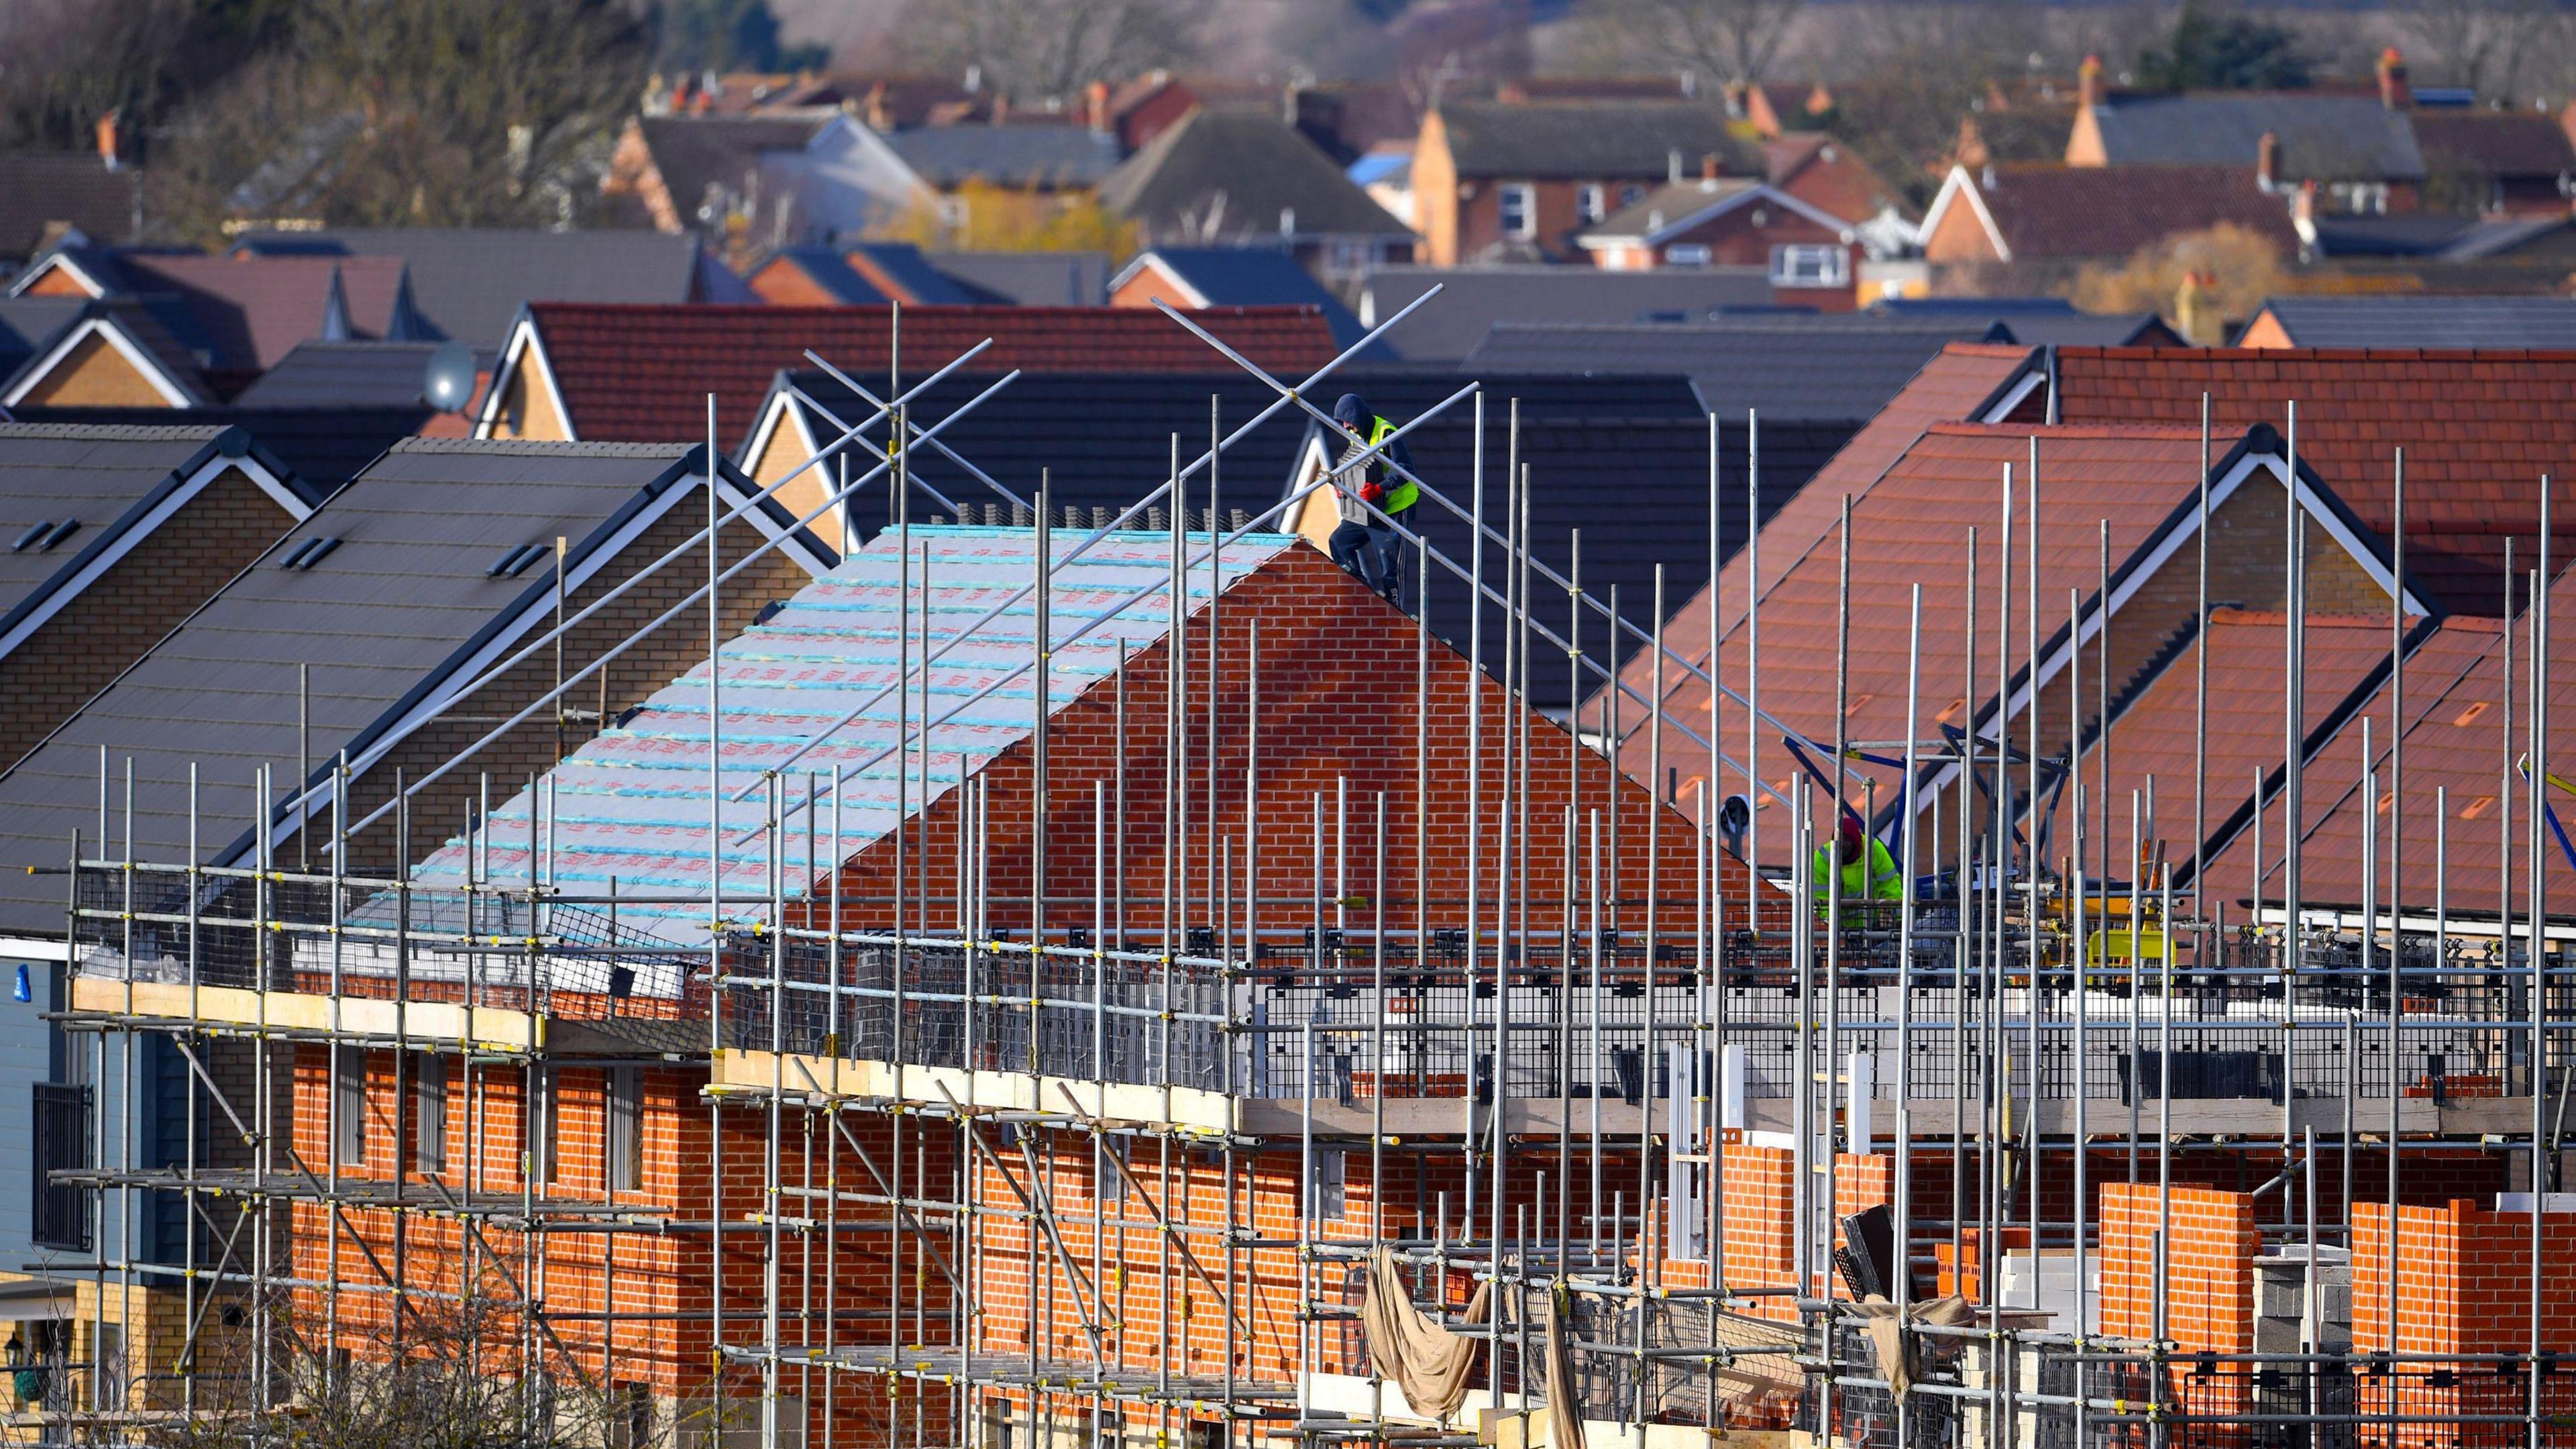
<point x="1733" y="818"/>
<point x="449" y="385"/>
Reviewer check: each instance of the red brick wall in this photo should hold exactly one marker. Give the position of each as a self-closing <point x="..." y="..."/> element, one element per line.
<point x="2463" y="1280"/>
<point x="2209" y="1266"/>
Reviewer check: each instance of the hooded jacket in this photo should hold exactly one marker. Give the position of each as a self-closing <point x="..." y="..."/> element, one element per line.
<point x="1359" y="422"/>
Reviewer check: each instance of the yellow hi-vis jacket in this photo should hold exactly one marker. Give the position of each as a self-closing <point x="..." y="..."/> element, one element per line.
<point x="1876" y="879"/>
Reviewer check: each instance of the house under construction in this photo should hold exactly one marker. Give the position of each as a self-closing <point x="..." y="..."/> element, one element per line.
<point x="1049" y="984"/>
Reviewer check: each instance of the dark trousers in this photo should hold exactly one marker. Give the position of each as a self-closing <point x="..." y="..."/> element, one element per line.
<point x="1374" y="554"/>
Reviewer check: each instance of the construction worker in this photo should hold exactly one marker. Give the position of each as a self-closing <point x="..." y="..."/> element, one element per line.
<point x="1866" y="876"/>
<point x="1369" y="494"/>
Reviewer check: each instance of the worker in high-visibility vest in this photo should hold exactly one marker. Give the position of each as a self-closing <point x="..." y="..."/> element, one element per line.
<point x="1868" y="872"/>
<point x="1367" y="495"/>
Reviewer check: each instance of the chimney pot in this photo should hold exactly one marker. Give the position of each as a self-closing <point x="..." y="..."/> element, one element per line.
<point x="107" y="141"/>
<point x="2088" y="82"/>
<point x="2267" y="160"/>
<point x="1708" y="167"/>
<point x="1096" y="104"/>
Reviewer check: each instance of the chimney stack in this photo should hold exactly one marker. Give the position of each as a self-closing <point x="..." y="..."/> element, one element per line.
<point x="1708" y="167"/>
<point x="1095" y="102"/>
<point x="2393" y="91"/>
<point x="2267" y="160"/>
<point x="2088" y="82"/>
<point x="107" y="141"/>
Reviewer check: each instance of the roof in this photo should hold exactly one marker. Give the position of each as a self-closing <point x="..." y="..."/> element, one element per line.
<point x="2048" y="212"/>
<point x="469" y="282"/>
<point x="2527" y="144"/>
<point x="1244" y="277"/>
<point x="1226" y="175"/>
<point x="1473" y="299"/>
<point x="29" y="324"/>
<point x="634" y="804"/>
<point x="348" y="375"/>
<point x="1790" y="368"/>
<point x="2245" y="652"/>
<point x="1104" y="438"/>
<point x="2324" y="137"/>
<point x="251" y="311"/>
<point x="1592" y="140"/>
<point x="41" y="188"/>
<point x="2479" y="428"/>
<point x="1676" y="205"/>
<point x="2043" y="321"/>
<point x="2418" y="322"/>
<point x="1030" y="279"/>
<point x="323" y="447"/>
<point x="94" y="484"/>
<point x="1034" y="155"/>
<point x="2455" y="677"/>
<point x="384" y="622"/>
<point x="699" y="154"/>
<point x="139" y="324"/>
<point x="1827" y="173"/>
<point x="1910" y="526"/>
<point x="643" y="373"/>
<point x="2441" y="236"/>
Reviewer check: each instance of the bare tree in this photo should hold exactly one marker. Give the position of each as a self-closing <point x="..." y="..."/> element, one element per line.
<point x="2476" y="43"/>
<point x="1037" y="50"/>
<point x="1734" y="41"/>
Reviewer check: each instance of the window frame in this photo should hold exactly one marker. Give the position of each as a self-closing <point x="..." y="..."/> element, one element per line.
<point x="1527" y="194"/>
<point x="1688" y="254"/>
<point x="1785" y="272"/>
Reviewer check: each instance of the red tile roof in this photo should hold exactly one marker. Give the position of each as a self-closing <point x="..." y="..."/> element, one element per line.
<point x="641" y="374"/>
<point x="2111" y="211"/>
<point x="2152" y="740"/>
<point x="1910" y="526"/>
<point x="2455" y="715"/>
<point x="2478" y="427"/>
<point x="1962" y="378"/>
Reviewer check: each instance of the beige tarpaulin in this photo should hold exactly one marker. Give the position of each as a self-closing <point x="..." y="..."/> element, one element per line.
<point x="1564" y="1413"/>
<point x="1409" y="1346"/>
<point x="1894" y="1345"/>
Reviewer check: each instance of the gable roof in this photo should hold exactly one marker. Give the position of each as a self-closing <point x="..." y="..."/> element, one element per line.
<point x="41" y="188"/>
<point x="469" y="282"/>
<point x="2042" y="321"/>
<point x="1825" y="367"/>
<point x="29" y="325"/>
<point x="2421" y="322"/>
<point x="2524" y="145"/>
<point x="619" y="812"/>
<point x="2324" y="136"/>
<point x="388" y="622"/>
<point x="1029" y="279"/>
<point x="2040" y="213"/>
<point x="1675" y="207"/>
<point x="323" y="447"/>
<point x="1230" y="175"/>
<point x="247" y="312"/>
<point x="73" y="498"/>
<point x="1828" y="174"/>
<point x="871" y="274"/>
<point x="1964" y="382"/>
<point x="1241" y="277"/>
<point x="348" y="375"/>
<point x="697" y="155"/>
<point x="1591" y="140"/>
<point x="133" y="329"/>
<point x="1473" y="299"/>
<point x="1033" y="155"/>
<point x="1103" y="437"/>
<point x="2478" y="427"/>
<point x="643" y="373"/>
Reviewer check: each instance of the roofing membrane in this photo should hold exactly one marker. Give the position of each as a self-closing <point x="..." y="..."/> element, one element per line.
<point x="632" y="806"/>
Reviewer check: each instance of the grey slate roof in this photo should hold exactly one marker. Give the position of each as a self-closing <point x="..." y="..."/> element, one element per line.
<point x="1034" y="155"/>
<point x="1592" y="140"/>
<point x="469" y="282"/>
<point x="697" y="153"/>
<point x="1250" y="277"/>
<point x="1031" y="279"/>
<point x="324" y="447"/>
<point x="348" y="375"/>
<point x="38" y="188"/>
<point x="1227" y="175"/>
<point x="28" y="325"/>
<point x="2323" y="137"/>
<point x="101" y="479"/>
<point x="1802" y="369"/>
<point x="2490" y="322"/>
<point x="381" y="620"/>
<point x="1473" y="299"/>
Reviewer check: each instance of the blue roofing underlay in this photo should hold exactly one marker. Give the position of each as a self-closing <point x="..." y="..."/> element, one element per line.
<point x="632" y="805"/>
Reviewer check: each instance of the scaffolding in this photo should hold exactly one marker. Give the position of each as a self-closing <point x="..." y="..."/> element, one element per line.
<point x="1079" y="1100"/>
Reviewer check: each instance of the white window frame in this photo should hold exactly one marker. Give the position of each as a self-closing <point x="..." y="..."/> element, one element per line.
<point x="1687" y="254"/>
<point x="1786" y="270"/>
<point x="1526" y="194"/>
<point x="1592" y="199"/>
